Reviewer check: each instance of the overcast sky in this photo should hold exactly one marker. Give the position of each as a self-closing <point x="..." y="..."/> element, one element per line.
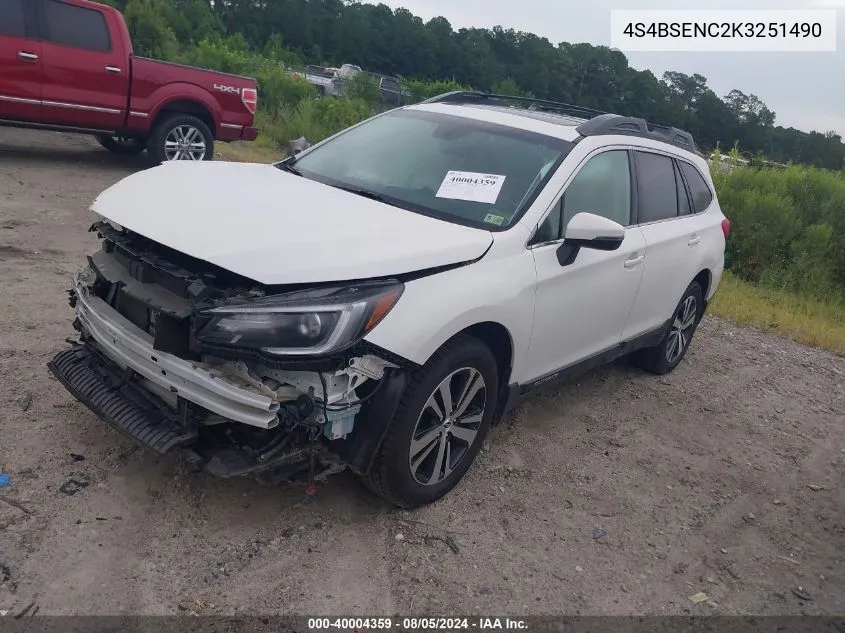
<point x="805" y="90"/>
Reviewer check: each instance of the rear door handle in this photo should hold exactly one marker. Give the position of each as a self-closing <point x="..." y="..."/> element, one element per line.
<point x="632" y="262"/>
<point x="27" y="56"/>
<point x="693" y="241"/>
<point x="112" y="69"/>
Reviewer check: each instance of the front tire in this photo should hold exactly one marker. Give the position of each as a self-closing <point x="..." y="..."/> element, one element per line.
<point x="181" y="137"/>
<point x="123" y="145"/>
<point x="664" y="357"/>
<point x="440" y="424"/>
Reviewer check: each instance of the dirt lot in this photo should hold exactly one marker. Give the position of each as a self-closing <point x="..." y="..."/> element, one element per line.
<point x="620" y="494"/>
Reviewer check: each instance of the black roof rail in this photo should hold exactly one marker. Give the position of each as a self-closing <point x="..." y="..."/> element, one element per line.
<point x="597" y="123"/>
<point x="465" y="96"/>
<point x="633" y="126"/>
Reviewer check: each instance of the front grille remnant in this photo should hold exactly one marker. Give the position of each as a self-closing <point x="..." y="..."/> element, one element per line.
<point x="186" y="277"/>
<point x="158" y="289"/>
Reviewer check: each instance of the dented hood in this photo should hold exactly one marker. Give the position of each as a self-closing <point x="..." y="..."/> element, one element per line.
<point x="277" y="228"/>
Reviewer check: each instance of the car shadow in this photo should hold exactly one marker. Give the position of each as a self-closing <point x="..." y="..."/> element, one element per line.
<point x="575" y="389"/>
<point x="78" y="154"/>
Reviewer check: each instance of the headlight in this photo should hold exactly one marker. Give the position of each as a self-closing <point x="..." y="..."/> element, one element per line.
<point x="311" y="322"/>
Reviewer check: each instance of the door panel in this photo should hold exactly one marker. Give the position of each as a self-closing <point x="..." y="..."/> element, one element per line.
<point x="673" y="238"/>
<point x="85" y="73"/>
<point x="670" y="265"/>
<point x="581" y="309"/>
<point x="20" y="64"/>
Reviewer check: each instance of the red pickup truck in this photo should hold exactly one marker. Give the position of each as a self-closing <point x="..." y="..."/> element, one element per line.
<point x="68" y="65"/>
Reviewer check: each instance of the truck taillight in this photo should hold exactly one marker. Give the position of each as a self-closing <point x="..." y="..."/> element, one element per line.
<point x="726" y="227"/>
<point x="250" y="98"/>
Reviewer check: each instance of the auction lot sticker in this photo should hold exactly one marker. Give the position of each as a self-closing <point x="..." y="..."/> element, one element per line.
<point x="471" y="186"/>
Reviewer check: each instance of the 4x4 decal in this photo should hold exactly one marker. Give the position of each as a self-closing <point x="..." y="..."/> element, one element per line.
<point x="230" y="89"/>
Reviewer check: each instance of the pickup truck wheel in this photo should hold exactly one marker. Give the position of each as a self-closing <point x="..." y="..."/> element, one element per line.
<point x="181" y="137"/>
<point x="664" y="357"/>
<point x="124" y="145"/>
<point x="439" y="426"/>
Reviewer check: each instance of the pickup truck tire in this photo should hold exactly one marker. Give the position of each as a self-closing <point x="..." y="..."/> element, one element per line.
<point x="124" y="145"/>
<point x="664" y="357"/>
<point x="180" y="137"/>
<point x="433" y="440"/>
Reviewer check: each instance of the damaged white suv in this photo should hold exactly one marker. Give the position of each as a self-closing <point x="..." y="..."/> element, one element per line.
<point x="378" y="301"/>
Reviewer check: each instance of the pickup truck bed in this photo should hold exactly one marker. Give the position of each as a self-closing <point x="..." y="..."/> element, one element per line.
<point x="69" y="65"/>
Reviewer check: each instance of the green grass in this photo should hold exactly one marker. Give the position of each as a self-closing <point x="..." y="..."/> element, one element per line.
<point x="243" y="152"/>
<point x="801" y="318"/>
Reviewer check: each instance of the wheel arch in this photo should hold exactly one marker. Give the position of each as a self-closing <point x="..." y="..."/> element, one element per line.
<point x="361" y="451"/>
<point x="498" y="338"/>
<point x="704" y="279"/>
<point x="186" y="106"/>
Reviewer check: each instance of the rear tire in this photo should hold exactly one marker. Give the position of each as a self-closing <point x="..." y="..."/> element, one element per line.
<point x="440" y="424"/>
<point x="181" y="137"/>
<point x="123" y="145"/>
<point x="667" y="355"/>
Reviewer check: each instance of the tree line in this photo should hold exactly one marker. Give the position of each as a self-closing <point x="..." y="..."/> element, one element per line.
<point x="396" y="42"/>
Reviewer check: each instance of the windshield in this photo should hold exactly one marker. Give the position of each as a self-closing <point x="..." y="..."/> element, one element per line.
<point x="454" y="168"/>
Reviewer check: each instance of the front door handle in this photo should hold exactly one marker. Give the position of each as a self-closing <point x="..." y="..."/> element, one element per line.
<point x="31" y="57"/>
<point x="634" y="261"/>
<point x="112" y="69"/>
<point x="693" y="241"/>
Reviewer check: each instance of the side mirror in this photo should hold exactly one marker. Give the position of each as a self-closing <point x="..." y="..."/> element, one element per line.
<point x="588" y="230"/>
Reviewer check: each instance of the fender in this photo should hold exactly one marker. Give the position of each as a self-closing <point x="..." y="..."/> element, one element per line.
<point x="473" y="295"/>
<point x="172" y="92"/>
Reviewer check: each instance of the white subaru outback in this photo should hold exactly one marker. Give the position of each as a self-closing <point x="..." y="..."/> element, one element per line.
<point x="379" y="300"/>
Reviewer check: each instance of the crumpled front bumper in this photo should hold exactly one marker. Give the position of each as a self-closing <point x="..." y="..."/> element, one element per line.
<point x="103" y="388"/>
<point x="128" y="346"/>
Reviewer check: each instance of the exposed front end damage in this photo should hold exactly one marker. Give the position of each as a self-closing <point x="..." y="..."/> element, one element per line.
<point x="146" y="363"/>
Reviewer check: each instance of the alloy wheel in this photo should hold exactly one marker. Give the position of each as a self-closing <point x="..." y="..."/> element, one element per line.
<point x="447" y="426"/>
<point x="681" y="330"/>
<point x="184" y="142"/>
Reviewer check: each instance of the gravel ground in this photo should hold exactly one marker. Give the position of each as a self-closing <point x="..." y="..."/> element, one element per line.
<point x="621" y="493"/>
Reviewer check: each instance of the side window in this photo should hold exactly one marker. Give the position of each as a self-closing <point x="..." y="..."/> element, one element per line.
<point x="602" y="186"/>
<point x="699" y="191"/>
<point x="683" y="200"/>
<point x="550" y="230"/>
<point x="76" y="26"/>
<point x="11" y="18"/>
<point x="657" y="192"/>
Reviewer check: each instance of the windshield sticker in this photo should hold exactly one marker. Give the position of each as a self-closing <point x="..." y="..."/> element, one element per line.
<point x="470" y="186"/>
<point x="494" y="219"/>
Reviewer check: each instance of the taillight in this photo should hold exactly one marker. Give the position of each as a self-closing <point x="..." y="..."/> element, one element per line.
<point x="726" y="227"/>
<point x="250" y="98"/>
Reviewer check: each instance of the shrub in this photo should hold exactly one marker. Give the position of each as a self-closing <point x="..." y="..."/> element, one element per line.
<point x="422" y="90"/>
<point x="788" y="228"/>
<point x="312" y="118"/>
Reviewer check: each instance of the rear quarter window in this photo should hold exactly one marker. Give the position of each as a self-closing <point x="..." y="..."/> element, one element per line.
<point x="79" y="27"/>
<point x="683" y="200"/>
<point x="699" y="191"/>
<point x="12" y="21"/>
